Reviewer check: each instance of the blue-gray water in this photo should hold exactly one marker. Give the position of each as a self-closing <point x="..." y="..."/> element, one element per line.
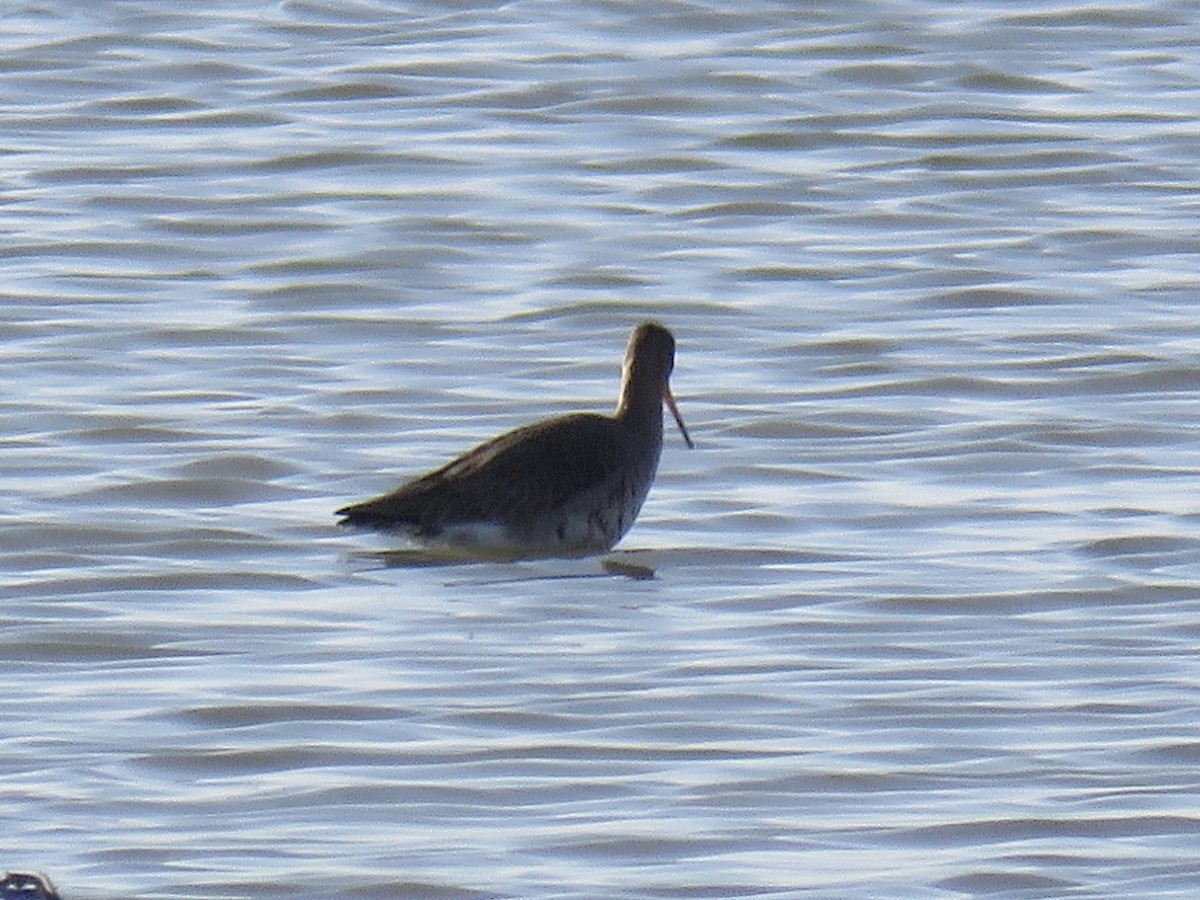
<point x="927" y="610"/>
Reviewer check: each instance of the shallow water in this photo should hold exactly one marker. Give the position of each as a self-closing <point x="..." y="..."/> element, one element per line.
<point x="927" y="597"/>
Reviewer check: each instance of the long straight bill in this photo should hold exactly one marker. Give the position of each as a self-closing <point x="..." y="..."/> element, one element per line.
<point x="670" y="401"/>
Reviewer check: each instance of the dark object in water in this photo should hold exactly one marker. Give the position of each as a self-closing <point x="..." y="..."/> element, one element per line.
<point x="567" y="486"/>
<point x="24" y="886"/>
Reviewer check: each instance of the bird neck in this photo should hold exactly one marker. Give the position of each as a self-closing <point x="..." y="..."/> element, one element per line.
<point x="640" y="405"/>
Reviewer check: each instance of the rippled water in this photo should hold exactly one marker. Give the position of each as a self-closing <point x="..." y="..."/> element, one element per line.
<point x="927" y="608"/>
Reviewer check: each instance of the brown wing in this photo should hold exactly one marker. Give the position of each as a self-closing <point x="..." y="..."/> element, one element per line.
<point x="510" y="477"/>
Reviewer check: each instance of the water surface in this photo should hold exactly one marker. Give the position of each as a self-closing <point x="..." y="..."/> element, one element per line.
<point x="925" y="613"/>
